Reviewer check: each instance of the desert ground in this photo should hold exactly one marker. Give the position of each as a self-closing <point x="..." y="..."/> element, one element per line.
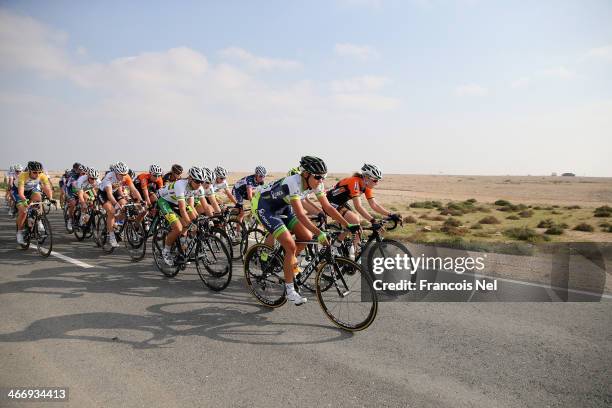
<point x="563" y="200"/>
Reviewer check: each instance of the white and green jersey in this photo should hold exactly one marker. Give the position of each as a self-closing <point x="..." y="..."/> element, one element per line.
<point x="281" y="192"/>
<point x="179" y="191"/>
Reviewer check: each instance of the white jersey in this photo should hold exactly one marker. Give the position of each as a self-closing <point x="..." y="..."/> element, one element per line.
<point x="210" y="190"/>
<point x="83" y="183"/>
<point x="110" y="179"/>
<point x="179" y="191"/>
<point x="220" y="186"/>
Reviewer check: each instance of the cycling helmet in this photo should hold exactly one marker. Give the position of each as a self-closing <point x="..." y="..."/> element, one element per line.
<point x="313" y="165"/>
<point x="196" y="173"/>
<point x="220" y="172"/>
<point x="120" y="168"/>
<point x="293" y="171"/>
<point x="17" y="167"/>
<point x="155" y="170"/>
<point x="371" y="171"/>
<point x="35" y="166"/>
<point x="131" y="173"/>
<point x="76" y="166"/>
<point x="93" y="173"/>
<point x="208" y="175"/>
<point x="82" y="168"/>
<point x="177" y="168"/>
<point x="260" y="171"/>
<point x="11" y="168"/>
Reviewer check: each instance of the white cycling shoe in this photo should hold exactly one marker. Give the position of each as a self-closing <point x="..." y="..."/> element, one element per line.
<point x="295" y="297"/>
<point x="20" y="240"/>
<point x="112" y="240"/>
<point x="167" y="256"/>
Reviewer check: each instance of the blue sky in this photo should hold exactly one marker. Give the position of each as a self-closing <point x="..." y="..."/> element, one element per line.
<point x="463" y="87"/>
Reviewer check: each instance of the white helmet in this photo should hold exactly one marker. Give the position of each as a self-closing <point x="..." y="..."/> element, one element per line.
<point x="260" y="171"/>
<point x="121" y="168"/>
<point x="155" y="170"/>
<point x="208" y="174"/>
<point x="220" y="172"/>
<point x="371" y="171"/>
<point x="17" y="167"/>
<point x="196" y="173"/>
<point x="93" y="173"/>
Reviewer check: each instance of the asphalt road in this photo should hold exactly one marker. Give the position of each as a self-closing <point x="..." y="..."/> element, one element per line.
<point x="119" y="334"/>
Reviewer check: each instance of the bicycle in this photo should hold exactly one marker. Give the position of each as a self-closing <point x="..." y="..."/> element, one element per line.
<point x="198" y="245"/>
<point x="87" y="228"/>
<point x="338" y="282"/>
<point x="130" y="231"/>
<point x="35" y="219"/>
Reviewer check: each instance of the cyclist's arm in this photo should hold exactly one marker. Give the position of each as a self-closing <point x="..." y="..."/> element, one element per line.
<point x="229" y="195"/>
<point x="21" y="191"/>
<point x="109" y="194"/>
<point x="46" y="187"/>
<point x="145" y="194"/>
<point x="249" y="191"/>
<point x="134" y="191"/>
<point x="208" y="210"/>
<point x="310" y="207"/>
<point x="378" y="208"/>
<point x="214" y="204"/>
<point x="359" y="208"/>
<point x="331" y="211"/>
<point x="81" y="194"/>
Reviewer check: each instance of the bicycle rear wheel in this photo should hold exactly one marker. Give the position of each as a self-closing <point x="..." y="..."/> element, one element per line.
<point x="214" y="263"/>
<point x="158" y="241"/>
<point x="265" y="278"/>
<point x="235" y="230"/>
<point x="346" y="295"/>
<point x="251" y="237"/>
<point x="388" y="248"/>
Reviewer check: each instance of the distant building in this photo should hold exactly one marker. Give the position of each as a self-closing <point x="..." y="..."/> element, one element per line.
<point x="568" y="175"/>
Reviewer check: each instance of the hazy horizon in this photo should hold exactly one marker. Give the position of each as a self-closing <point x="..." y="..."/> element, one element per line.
<point x="458" y="87"/>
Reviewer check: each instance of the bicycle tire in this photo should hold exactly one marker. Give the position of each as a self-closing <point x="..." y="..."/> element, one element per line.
<point x="43" y="237"/>
<point x="260" y="284"/>
<point x="349" y="280"/>
<point x="214" y="252"/>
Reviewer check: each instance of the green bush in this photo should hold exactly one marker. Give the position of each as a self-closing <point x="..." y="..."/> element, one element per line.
<point x="489" y="220"/>
<point x="525" y="213"/>
<point x="604" y="211"/>
<point x="471" y="200"/>
<point x="502" y="203"/>
<point x="572" y="207"/>
<point x="452" y="222"/>
<point x="554" y="230"/>
<point x="547" y="223"/>
<point x="410" y="220"/>
<point x="476" y="226"/>
<point x="584" y="227"/>
<point x="513" y="217"/>
<point x="525" y="234"/>
<point x="426" y="204"/>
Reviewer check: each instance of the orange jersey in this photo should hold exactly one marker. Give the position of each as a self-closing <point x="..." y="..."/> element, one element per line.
<point x="347" y="189"/>
<point x="145" y="179"/>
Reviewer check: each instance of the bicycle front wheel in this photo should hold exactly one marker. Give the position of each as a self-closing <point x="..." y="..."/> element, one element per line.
<point x="135" y="242"/>
<point x="214" y="263"/>
<point x="43" y="236"/>
<point x="346" y="295"/>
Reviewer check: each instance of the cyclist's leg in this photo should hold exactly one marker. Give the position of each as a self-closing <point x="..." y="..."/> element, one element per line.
<point x="21" y="208"/>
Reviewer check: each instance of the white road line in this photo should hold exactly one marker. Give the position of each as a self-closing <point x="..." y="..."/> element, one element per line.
<point x="539" y="285"/>
<point x="69" y="259"/>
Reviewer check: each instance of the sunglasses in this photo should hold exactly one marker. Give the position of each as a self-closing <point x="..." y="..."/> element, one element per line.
<point x="318" y="177"/>
<point x="375" y="181"/>
<point x="197" y="181"/>
<point x="36" y="172"/>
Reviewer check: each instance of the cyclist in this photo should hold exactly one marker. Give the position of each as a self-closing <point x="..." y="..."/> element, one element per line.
<point x="206" y="203"/>
<point x="111" y="196"/>
<point x="175" y="203"/>
<point x="174" y="174"/>
<point x="149" y="183"/>
<point x="283" y="198"/>
<point x="351" y="189"/>
<point x="245" y="187"/>
<point x="309" y="206"/>
<point x="87" y="186"/>
<point x="62" y="186"/>
<point x="11" y="181"/>
<point x="220" y="183"/>
<point x="71" y="192"/>
<point x="30" y="184"/>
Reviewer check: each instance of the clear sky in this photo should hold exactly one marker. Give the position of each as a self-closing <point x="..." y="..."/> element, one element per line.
<point x="422" y="86"/>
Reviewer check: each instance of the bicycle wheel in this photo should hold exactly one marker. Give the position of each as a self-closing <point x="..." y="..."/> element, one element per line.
<point x="304" y="259"/>
<point x="103" y="235"/>
<point x="234" y="230"/>
<point x="66" y="217"/>
<point x="43" y="236"/>
<point x="26" y="236"/>
<point x="47" y="208"/>
<point x="350" y="301"/>
<point x="265" y="278"/>
<point x="251" y="237"/>
<point x="214" y="263"/>
<point x="135" y="240"/>
<point x="97" y="234"/>
<point x="227" y="242"/>
<point x="388" y="248"/>
<point x="78" y="229"/>
<point x="157" y="245"/>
